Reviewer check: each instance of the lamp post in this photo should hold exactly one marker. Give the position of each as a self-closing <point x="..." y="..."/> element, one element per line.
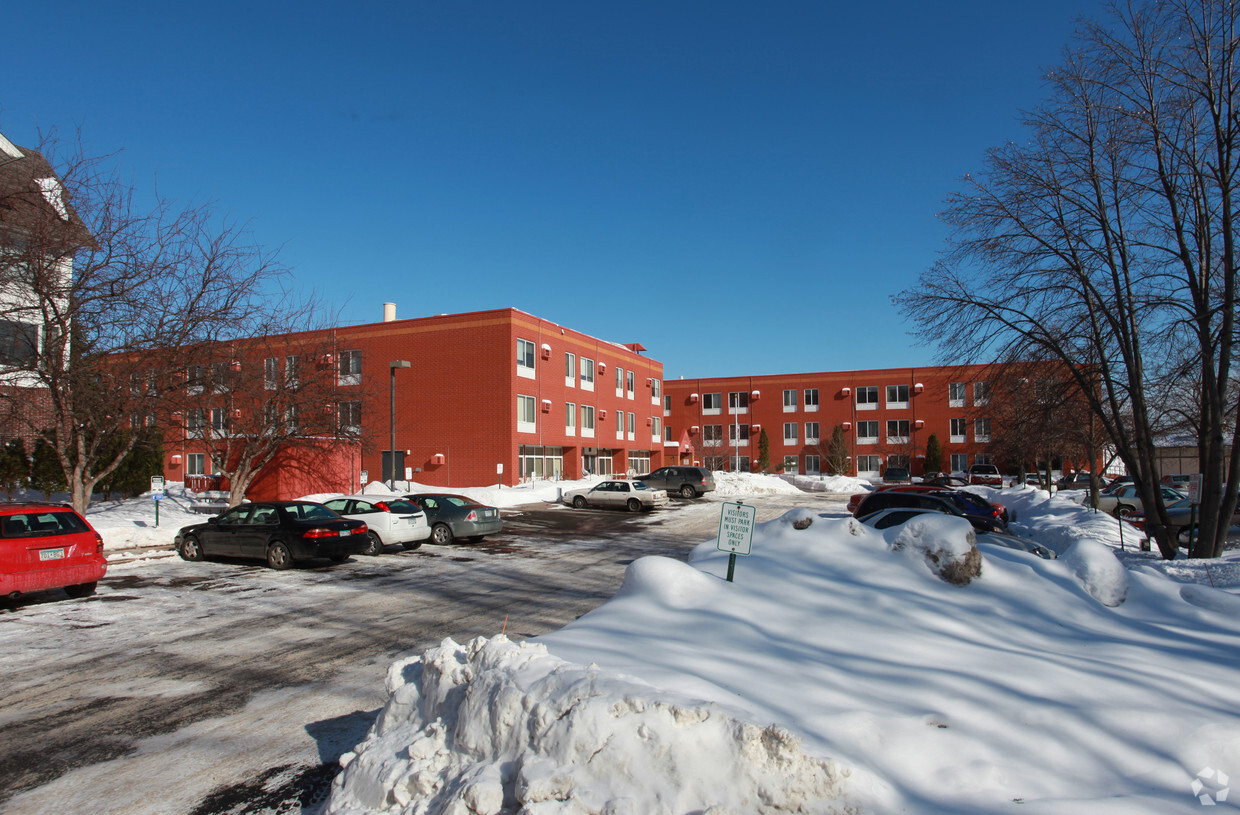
<point x="392" y="366"/>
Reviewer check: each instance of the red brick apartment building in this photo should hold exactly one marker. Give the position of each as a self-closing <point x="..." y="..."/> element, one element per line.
<point x="887" y="415"/>
<point x="489" y="397"/>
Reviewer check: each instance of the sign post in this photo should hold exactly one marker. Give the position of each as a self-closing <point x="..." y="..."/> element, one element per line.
<point x="157" y="494"/>
<point x="736" y="532"/>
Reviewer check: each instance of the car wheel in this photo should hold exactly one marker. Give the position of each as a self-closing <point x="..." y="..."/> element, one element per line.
<point x="687" y="491"/>
<point x="190" y="549"/>
<point x="634" y="505"/>
<point x="1123" y="511"/>
<point x="375" y="546"/>
<point x="441" y="534"/>
<point x="278" y="555"/>
<point x="579" y="501"/>
<point x="411" y="545"/>
<point x="81" y="590"/>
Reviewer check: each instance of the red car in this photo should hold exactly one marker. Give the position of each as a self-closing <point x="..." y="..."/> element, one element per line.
<point x="47" y="546"/>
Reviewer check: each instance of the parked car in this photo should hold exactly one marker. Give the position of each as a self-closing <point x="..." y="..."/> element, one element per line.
<point x="1125" y="500"/>
<point x="986" y="475"/>
<point x="389" y="520"/>
<point x="1181" y="516"/>
<point x="945" y="480"/>
<point x="279" y="532"/>
<point x="630" y="495"/>
<point x="971" y="502"/>
<point x="45" y="546"/>
<point x="1074" y="481"/>
<point x="688" y="482"/>
<point x="897" y="475"/>
<point x="1177" y="482"/>
<point x="887" y="518"/>
<point x="944" y="501"/>
<point x="455" y="516"/>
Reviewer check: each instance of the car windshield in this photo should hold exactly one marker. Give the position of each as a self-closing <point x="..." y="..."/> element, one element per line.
<point x="460" y="501"/>
<point x="640" y="485"/>
<point x="36" y="524"/>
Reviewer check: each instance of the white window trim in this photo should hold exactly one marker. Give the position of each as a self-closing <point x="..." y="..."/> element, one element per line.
<point x="527" y="427"/>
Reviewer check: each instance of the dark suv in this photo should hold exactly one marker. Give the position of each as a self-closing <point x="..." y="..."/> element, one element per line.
<point x="947" y="502"/>
<point x="689" y="482"/>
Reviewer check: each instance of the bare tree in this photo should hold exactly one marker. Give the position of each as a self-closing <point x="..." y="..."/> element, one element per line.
<point x="1107" y="242"/>
<point x="104" y="299"/>
<point x="247" y="401"/>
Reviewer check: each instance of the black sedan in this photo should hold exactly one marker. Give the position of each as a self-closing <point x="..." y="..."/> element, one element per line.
<point x="280" y="532"/>
<point x="455" y="516"/>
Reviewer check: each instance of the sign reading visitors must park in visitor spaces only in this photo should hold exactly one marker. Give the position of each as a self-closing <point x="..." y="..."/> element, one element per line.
<point x="736" y="532"/>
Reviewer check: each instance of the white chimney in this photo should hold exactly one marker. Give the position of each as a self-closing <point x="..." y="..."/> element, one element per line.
<point x="389" y="312"/>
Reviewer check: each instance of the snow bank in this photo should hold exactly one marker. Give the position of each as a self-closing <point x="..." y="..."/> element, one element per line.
<point x="837" y="484"/>
<point x="495" y="725"/>
<point x="1098" y="571"/>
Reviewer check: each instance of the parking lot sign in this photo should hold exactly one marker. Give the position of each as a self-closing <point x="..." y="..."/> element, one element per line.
<point x="736" y="532"/>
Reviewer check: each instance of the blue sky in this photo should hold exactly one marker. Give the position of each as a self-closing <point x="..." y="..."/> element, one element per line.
<point x="740" y="187"/>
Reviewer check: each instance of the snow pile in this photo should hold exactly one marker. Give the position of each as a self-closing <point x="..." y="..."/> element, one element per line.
<point x="907" y="694"/>
<point x="837" y="484"/>
<point x="946" y="543"/>
<point x="1057" y="522"/>
<point x="495" y="725"/>
<point x="1097" y="569"/>
<point x="730" y="485"/>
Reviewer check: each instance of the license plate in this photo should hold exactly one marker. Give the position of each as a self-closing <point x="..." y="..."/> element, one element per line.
<point x="344" y="533"/>
<point x="51" y="554"/>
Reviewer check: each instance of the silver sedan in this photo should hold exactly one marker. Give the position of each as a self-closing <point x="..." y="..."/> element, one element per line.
<point x="630" y="495"/>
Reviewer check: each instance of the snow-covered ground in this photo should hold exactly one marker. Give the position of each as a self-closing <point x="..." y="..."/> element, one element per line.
<point x="837" y="671"/>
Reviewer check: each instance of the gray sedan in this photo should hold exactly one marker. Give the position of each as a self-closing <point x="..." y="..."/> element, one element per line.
<point x="1125" y="500"/>
<point x="455" y="516"/>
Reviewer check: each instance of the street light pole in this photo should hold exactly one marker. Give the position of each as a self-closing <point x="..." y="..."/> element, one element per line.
<point x="392" y="366"/>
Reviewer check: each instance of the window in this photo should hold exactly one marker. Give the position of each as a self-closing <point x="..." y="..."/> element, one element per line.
<point x="959" y="430"/>
<point x="195" y="375"/>
<point x="629" y="381"/>
<point x="526" y="414"/>
<point x="790" y="465"/>
<point x="790" y="433"/>
<point x="667" y="404"/>
<point x="897" y="431"/>
<point x="960" y="462"/>
<point x="955" y="394"/>
<point x="811" y="399"/>
<point x="570" y="370"/>
<point x="982" y="458"/>
<point x="739" y="464"/>
<point x="639" y="461"/>
<point x="981" y="393"/>
<point x="19" y="343"/>
<point x="738" y="435"/>
<point x="981" y="430"/>
<point x="738" y="402"/>
<point x="219" y="421"/>
<point x="867" y="397"/>
<point x="656" y="428"/>
<point x="195" y="422"/>
<point x="195" y="464"/>
<point x="587" y="374"/>
<point x="632" y="427"/>
<point x="712" y="403"/>
<point x="350" y="368"/>
<point x="619" y="381"/>
<point x="525" y="359"/>
<point x="292" y="371"/>
<point x="292" y="419"/>
<point x="712" y="435"/>
<point x="869" y="464"/>
<point x="656" y="390"/>
<point x="271" y="373"/>
<point x="350" y="416"/>
<point x="898" y="460"/>
<point x="619" y="425"/>
<point x="897" y="396"/>
<point x="790" y="401"/>
<point x="667" y="434"/>
<point x="811" y="432"/>
<point x="812" y="465"/>
<point x="570" y="418"/>
<point x="867" y="432"/>
<point x="587" y="421"/>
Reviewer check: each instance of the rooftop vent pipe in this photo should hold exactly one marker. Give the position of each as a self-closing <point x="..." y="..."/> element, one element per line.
<point x="389" y="312"/>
